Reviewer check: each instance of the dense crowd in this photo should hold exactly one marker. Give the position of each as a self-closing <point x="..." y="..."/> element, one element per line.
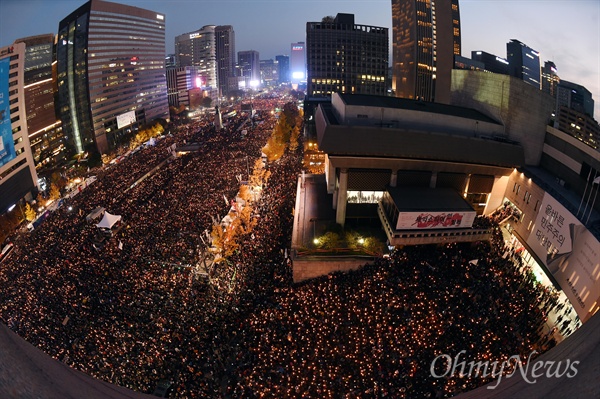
<point x="133" y="313"/>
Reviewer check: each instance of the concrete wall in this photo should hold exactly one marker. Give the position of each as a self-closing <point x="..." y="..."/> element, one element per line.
<point x="311" y="267"/>
<point x="524" y="110"/>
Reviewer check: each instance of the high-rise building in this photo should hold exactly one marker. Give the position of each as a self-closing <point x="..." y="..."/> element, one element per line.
<point x="111" y="73"/>
<point x="268" y="72"/>
<point x="249" y="67"/>
<point x="18" y="177"/>
<point x="550" y="79"/>
<point x="491" y="62"/>
<point x="523" y="62"/>
<point x="225" y="52"/>
<point x="426" y="37"/>
<point x="298" y="63"/>
<point x="344" y="57"/>
<point x="574" y="96"/>
<point x="45" y="129"/>
<point x="199" y="49"/>
<point x="283" y="68"/>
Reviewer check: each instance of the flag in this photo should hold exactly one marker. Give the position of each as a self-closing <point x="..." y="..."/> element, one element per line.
<point x="225" y="198"/>
<point x="120" y="245"/>
<point x="596" y="180"/>
<point x="474" y="262"/>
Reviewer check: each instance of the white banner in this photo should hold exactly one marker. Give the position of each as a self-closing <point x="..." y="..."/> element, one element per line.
<point x="570" y="252"/>
<point x="434" y="220"/>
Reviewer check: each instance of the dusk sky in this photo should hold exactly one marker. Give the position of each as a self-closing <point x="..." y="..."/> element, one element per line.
<point x="564" y="31"/>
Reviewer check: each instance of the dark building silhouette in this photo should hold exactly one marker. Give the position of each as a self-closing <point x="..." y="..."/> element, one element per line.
<point x="491" y="62"/>
<point x="344" y="57"/>
<point x="524" y="62"/>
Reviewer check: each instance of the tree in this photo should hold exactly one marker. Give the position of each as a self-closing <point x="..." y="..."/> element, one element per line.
<point x="294" y="138"/>
<point x="54" y="192"/>
<point x="30" y="213"/>
<point x="206" y="102"/>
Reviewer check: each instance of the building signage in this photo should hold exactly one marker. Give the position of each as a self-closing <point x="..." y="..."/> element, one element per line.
<point x="434" y="220"/>
<point x="570" y="252"/>
<point x="7" y="144"/>
<point x="125" y="119"/>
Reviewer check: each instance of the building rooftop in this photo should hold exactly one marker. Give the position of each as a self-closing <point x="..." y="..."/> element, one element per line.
<point x="350" y="140"/>
<point x="414" y="105"/>
<point x="425" y="199"/>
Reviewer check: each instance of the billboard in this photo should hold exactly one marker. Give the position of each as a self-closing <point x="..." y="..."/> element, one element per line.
<point x="570" y="252"/>
<point x="125" y="119"/>
<point x="434" y="220"/>
<point x="7" y="145"/>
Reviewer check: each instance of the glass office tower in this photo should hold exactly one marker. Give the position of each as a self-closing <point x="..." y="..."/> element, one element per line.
<point x="111" y="73"/>
<point x="524" y="63"/>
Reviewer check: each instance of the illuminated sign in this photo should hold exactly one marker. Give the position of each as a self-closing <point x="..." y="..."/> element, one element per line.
<point x="125" y="119"/>
<point x="434" y="220"/>
<point x="161" y="17"/>
<point x="502" y="60"/>
<point x="296" y="48"/>
<point x="194" y="35"/>
<point x="7" y="145"/>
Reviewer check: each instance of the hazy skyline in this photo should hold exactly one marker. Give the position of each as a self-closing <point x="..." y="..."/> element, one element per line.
<point x="564" y="31"/>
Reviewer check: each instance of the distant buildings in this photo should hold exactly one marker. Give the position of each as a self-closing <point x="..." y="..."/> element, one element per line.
<point x="268" y="72"/>
<point x="298" y="63"/>
<point x="491" y="62"/>
<point x="574" y="96"/>
<point x="524" y="62"/>
<point x="110" y="81"/>
<point x="283" y="68"/>
<point x="426" y="37"/>
<point x="344" y="57"/>
<point x="550" y="79"/>
<point x="249" y="67"/>
<point x="18" y="177"/>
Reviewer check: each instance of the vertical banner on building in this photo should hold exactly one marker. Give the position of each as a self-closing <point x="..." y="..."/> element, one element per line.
<point x="7" y="145"/>
<point x="570" y="252"/>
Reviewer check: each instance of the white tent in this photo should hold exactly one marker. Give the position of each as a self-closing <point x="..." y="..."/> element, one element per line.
<point x="108" y="221"/>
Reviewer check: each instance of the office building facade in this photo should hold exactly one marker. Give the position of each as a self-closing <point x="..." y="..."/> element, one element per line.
<point x="283" y="68"/>
<point x="523" y="63"/>
<point x="111" y="73"/>
<point x="574" y="96"/>
<point x="249" y="67"/>
<point x="344" y="57"/>
<point x="18" y="177"/>
<point x="225" y="53"/>
<point x="198" y="49"/>
<point x="45" y="129"/>
<point x="268" y="72"/>
<point x="426" y="37"/>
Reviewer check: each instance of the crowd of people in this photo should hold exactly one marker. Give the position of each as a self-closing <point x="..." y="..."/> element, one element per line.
<point x="133" y="312"/>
